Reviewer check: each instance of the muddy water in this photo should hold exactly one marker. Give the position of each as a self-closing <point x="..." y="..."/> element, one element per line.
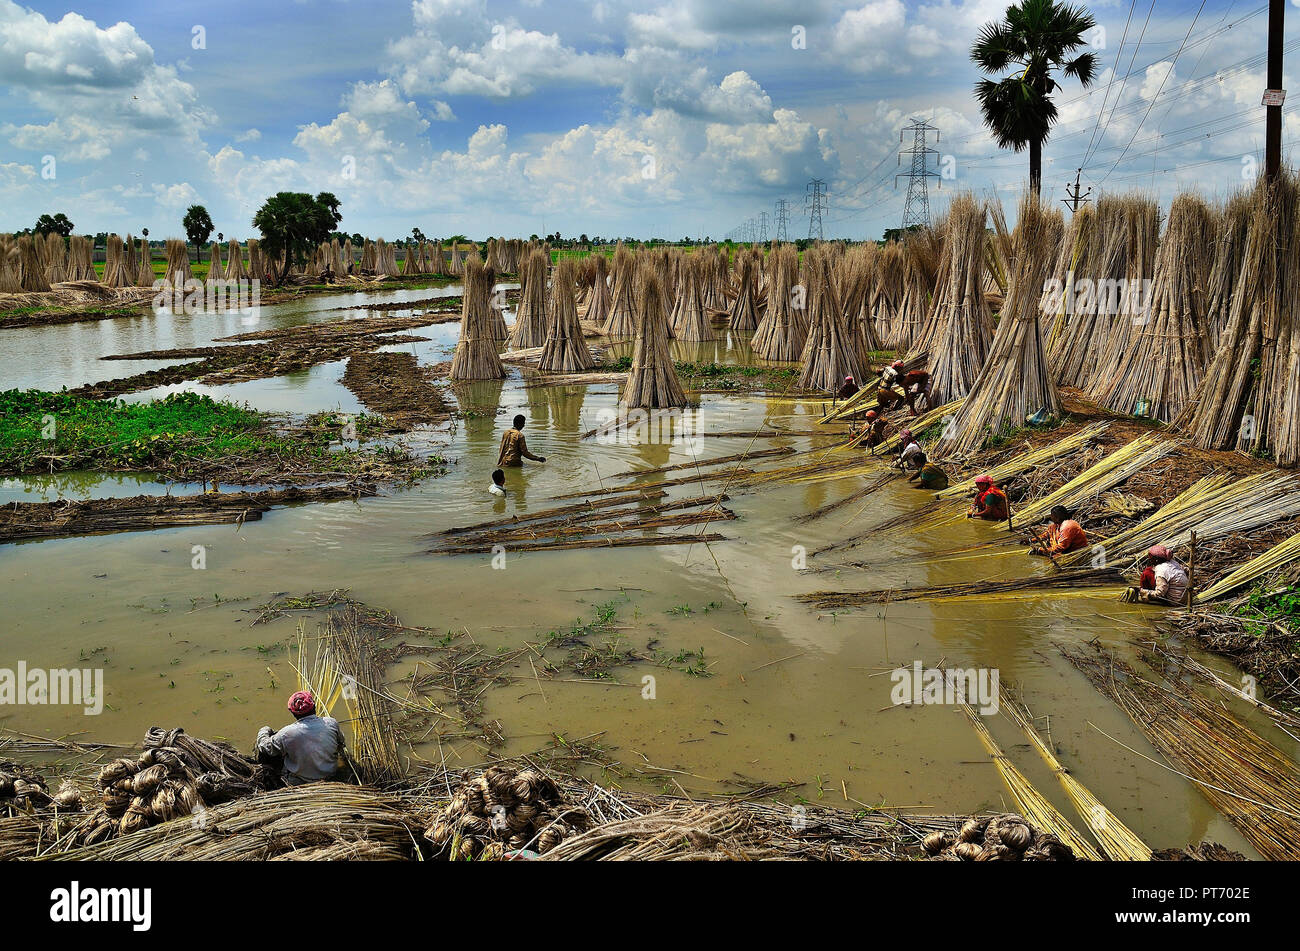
<point x="795" y="694"/>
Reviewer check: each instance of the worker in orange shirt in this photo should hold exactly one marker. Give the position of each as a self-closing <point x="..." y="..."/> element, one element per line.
<point x="1063" y="534"/>
<point x="990" y="501"/>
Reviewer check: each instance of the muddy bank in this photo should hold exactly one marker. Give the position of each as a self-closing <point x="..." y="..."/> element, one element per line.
<point x="265" y="354"/>
<point x="32" y="520"/>
<point x="398" y="388"/>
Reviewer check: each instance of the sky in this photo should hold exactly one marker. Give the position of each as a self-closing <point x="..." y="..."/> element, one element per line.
<point x="598" y="117"/>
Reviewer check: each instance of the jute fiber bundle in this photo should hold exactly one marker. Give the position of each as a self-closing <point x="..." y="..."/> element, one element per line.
<point x="476" y="353"/>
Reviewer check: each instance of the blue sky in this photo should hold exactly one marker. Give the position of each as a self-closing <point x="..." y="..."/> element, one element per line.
<point x="669" y="118"/>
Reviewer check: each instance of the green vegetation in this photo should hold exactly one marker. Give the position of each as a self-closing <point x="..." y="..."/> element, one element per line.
<point x="59" y="431"/>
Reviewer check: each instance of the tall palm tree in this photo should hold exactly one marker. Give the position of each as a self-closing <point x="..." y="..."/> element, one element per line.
<point x="1037" y="36"/>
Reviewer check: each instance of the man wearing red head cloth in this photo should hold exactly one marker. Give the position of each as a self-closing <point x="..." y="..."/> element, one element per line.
<point x="309" y="748"/>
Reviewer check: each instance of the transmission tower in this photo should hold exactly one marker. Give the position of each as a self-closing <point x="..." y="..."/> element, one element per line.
<point x="916" y="210"/>
<point x="815" y="202"/>
<point x="762" y="226"/>
<point x="782" y="219"/>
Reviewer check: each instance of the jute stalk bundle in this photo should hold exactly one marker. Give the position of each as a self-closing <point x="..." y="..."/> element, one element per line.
<point x="1160" y="366"/>
<point x="81" y="263"/>
<point x="530" y="328"/>
<point x="235" y="262"/>
<point x="178" y="263"/>
<point x="256" y="261"/>
<point x="1282" y="555"/>
<point x="857" y="271"/>
<point x="1101" y="476"/>
<point x="622" y="321"/>
<point x="117" y="270"/>
<point x="565" y="350"/>
<point x="369" y="259"/>
<point x="1071" y="260"/>
<point x="1015" y="382"/>
<point x="1142" y="217"/>
<point x="476" y="353"/>
<point x="215" y="271"/>
<point x="923" y="251"/>
<point x="714" y="277"/>
<point x="11" y="278"/>
<point x="831" y="352"/>
<point x="744" y="313"/>
<point x="1249" y="396"/>
<point x="1212" y="507"/>
<point x="652" y="382"/>
<point x="1229" y="254"/>
<point x="494" y="263"/>
<point x="886" y="298"/>
<point x="144" y="268"/>
<point x="688" y="320"/>
<point x="54" y="258"/>
<point x="1118" y="841"/>
<point x="964" y="326"/>
<point x="456" y="264"/>
<point x="598" y="302"/>
<point x="783" y="331"/>
<point x="1033" y="805"/>
<point x="1248" y="780"/>
<point x="29" y="263"/>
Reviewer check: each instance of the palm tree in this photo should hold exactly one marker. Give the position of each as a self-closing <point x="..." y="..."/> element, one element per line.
<point x="1038" y="36"/>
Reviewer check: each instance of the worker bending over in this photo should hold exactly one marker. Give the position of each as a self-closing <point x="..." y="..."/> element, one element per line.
<point x="909" y="451"/>
<point x="1063" y="534"/>
<point x="309" y="749"/>
<point x="514" y="448"/>
<point x="1164" y="580"/>
<point x="875" y="429"/>
<point x="990" y="501"/>
<point x="927" y="474"/>
<point x="850" y="388"/>
<point x="912" y="385"/>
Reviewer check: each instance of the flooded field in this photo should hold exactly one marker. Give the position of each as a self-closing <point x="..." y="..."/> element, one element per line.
<point x="775" y="690"/>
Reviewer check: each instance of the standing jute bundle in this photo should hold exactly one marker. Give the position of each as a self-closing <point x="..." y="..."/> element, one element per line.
<point x="652" y="382"/>
<point x="831" y="353"/>
<point x="29" y="263"/>
<point x="1128" y="311"/>
<point x="530" y="328"/>
<point x="235" y="262"/>
<point x="565" y="350"/>
<point x="11" y="278"/>
<point x="964" y="324"/>
<point x="1015" y="382"/>
<point x="1229" y="252"/>
<point x="622" y="321"/>
<point x="688" y="320"/>
<point x="215" y="270"/>
<point x="1160" y="366"/>
<point x="178" y="263"/>
<point x="1249" y="396"/>
<point x="144" y="268"/>
<point x="117" y="260"/>
<point x="857" y="270"/>
<point x="886" y="296"/>
<point x="922" y="251"/>
<point x="598" y="302"/>
<point x="783" y="331"/>
<point x="476" y="353"/>
<point x="81" y="265"/>
<point x="744" y="313"/>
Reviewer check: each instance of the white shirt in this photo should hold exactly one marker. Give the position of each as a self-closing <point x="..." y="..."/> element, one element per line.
<point x="1175" y="581"/>
<point x="497" y="490"/>
<point x="910" y="450"/>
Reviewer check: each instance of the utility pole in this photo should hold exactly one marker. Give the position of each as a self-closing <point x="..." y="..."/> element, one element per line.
<point x="782" y="219"/>
<point x="762" y="226"/>
<point x="815" y="202"/>
<point x="916" y="210"/>
<point x="1274" y="94"/>
<point x="1075" y="198"/>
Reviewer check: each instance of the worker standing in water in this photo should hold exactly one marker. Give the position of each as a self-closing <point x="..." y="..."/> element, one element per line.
<point x="514" y="448"/>
<point x="309" y="749"/>
<point x="990" y="502"/>
<point x="1063" y="534"/>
